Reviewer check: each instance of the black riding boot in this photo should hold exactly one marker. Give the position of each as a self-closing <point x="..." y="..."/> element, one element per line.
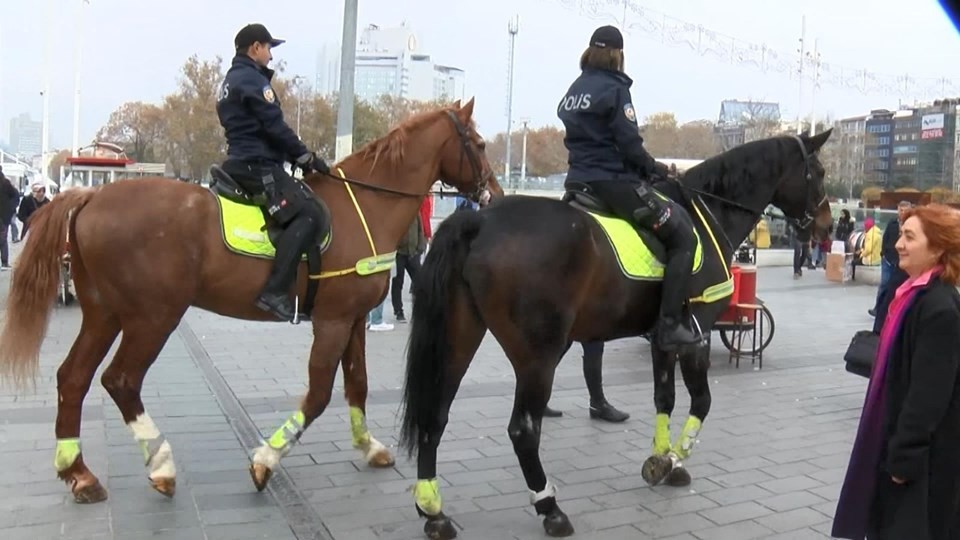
<point x="275" y="296"/>
<point x="600" y="408"/>
<point x="674" y="331"/>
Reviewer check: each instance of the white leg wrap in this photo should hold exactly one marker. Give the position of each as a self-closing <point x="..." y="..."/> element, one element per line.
<point x="371" y="448"/>
<point x="161" y="465"/>
<point x="157" y="452"/>
<point x="549" y="490"/>
<point x="267" y="455"/>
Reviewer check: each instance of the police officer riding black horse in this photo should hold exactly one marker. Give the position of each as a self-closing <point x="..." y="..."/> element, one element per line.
<point x="607" y="158"/>
<point x="259" y="142"/>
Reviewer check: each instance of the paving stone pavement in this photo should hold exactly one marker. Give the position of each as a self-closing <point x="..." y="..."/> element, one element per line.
<point x="769" y="465"/>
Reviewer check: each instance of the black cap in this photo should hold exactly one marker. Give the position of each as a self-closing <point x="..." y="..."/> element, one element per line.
<point x="255" y="33"/>
<point x="607" y="36"/>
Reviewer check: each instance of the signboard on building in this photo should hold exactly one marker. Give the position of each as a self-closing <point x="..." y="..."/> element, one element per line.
<point x="931" y="127"/>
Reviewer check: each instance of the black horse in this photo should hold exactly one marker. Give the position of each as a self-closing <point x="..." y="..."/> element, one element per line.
<point x="540" y="274"/>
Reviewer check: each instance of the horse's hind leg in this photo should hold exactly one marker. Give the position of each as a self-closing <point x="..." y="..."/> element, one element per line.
<point x="466" y="333"/>
<point x="97" y="333"/>
<point x="355" y="387"/>
<point x="534" y="347"/>
<point x="142" y="341"/>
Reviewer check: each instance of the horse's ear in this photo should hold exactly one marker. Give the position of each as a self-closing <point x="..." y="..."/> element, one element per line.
<point x="817" y="141"/>
<point x="467" y="110"/>
<point x="456" y="104"/>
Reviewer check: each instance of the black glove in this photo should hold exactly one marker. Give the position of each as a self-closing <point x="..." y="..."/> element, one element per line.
<point x="311" y="162"/>
<point x="661" y="170"/>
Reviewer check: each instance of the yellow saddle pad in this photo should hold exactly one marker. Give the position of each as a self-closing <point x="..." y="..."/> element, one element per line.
<point x="635" y="258"/>
<point x="243" y="231"/>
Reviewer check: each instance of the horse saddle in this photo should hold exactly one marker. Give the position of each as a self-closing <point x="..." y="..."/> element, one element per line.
<point x="223" y="185"/>
<point x="580" y="197"/>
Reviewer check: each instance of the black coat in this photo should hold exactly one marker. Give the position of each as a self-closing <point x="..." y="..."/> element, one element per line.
<point x="601" y="133"/>
<point x="9" y="199"/>
<point x="251" y="117"/>
<point x="922" y="423"/>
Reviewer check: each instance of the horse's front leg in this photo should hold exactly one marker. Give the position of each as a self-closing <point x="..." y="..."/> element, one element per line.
<point x="355" y="387"/>
<point x="693" y="366"/>
<point x="659" y="464"/>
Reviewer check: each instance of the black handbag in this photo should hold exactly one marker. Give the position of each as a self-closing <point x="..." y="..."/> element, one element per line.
<point x="862" y="352"/>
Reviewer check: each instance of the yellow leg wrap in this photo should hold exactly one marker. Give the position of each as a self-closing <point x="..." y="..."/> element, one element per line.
<point x="289" y="433"/>
<point x="661" y="436"/>
<point x="427" y="495"/>
<point x="358" y="428"/>
<point x="688" y="437"/>
<point x="67" y="452"/>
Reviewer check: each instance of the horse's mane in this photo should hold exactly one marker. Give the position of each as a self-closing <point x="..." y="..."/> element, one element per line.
<point x="729" y="174"/>
<point x="391" y="147"/>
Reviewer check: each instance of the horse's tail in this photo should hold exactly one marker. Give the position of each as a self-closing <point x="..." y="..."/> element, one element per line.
<point x="34" y="285"/>
<point x="429" y="345"/>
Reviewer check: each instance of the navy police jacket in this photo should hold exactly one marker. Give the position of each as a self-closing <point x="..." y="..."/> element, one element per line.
<point x="250" y="114"/>
<point x="602" y="136"/>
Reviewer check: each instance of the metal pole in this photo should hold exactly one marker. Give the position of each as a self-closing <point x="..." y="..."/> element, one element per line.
<point x="296" y="86"/>
<point x="803" y="35"/>
<point x="45" y="130"/>
<point x="76" y="82"/>
<point x="348" y="60"/>
<point x="523" y="158"/>
<point x="512" y="28"/>
<point x="813" y="91"/>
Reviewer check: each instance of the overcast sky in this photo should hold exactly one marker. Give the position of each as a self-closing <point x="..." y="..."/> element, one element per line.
<point x="133" y="50"/>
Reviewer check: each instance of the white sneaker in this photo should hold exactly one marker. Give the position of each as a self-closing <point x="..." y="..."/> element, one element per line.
<point x="382" y="327"/>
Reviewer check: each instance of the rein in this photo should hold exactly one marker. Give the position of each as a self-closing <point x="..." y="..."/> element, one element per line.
<point x="465" y="151"/>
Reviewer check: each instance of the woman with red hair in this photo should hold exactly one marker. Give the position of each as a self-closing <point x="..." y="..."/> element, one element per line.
<point x="903" y="480"/>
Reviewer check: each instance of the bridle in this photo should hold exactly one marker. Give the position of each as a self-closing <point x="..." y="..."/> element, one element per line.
<point x="466" y="150"/>
<point x="808" y="214"/>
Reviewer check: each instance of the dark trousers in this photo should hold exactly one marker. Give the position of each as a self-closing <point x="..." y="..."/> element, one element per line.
<point x="801" y="250"/>
<point x="677" y="236"/>
<point x="405" y="263"/>
<point x="298" y="234"/>
<point x="4" y="246"/>
<point x="593" y="371"/>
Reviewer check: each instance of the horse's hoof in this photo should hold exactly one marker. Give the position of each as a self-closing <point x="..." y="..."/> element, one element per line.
<point x="439" y="527"/>
<point x="655" y="469"/>
<point x="557" y="524"/>
<point x="166" y="486"/>
<point x="91" y="494"/>
<point x="382" y="459"/>
<point x="678" y="477"/>
<point x="260" y="474"/>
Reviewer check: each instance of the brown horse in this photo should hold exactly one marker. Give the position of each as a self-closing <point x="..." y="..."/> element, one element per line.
<point x="144" y="251"/>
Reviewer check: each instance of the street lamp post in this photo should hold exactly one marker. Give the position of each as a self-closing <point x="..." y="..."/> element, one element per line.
<point x="513" y="27"/>
<point x="296" y="84"/>
<point x="523" y="156"/>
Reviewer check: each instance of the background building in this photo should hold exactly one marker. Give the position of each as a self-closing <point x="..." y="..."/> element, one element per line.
<point x="390" y="61"/>
<point x="25" y="135"/>
<point x="745" y="121"/>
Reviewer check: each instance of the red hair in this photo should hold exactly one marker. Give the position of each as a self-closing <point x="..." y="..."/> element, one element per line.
<point x="941" y="226"/>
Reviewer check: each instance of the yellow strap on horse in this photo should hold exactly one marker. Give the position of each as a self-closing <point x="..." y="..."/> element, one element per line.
<point x="722" y="290"/>
<point x="367" y="265"/>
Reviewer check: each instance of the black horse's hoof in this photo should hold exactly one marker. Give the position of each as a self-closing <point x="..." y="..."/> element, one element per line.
<point x="439" y="527"/>
<point x="655" y="469"/>
<point x="678" y="477"/>
<point x="557" y="524"/>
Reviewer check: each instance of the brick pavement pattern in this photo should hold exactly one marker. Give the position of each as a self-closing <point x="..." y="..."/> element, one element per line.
<point x="770" y="463"/>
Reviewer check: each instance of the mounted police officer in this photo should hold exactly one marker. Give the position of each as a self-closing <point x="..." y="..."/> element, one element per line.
<point x="606" y="153"/>
<point x="259" y="142"/>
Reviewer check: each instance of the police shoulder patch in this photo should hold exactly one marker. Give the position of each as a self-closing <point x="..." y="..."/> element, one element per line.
<point x="629" y="112"/>
<point x="268" y="94"/>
